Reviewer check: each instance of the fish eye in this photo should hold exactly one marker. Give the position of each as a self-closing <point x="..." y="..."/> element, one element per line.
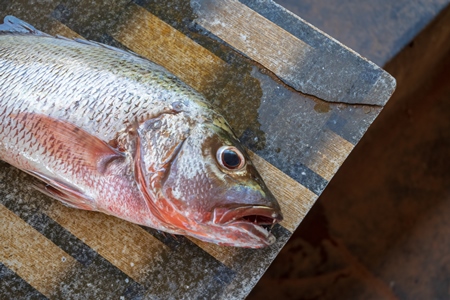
<point x="230" y="158"/>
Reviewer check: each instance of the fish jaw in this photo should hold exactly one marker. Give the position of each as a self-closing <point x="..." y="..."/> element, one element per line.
<point x="240" y="232"/>
<point x="261" y="215"/>
<point x="235" y="224"/>
<point x="244" y="218"/>
<point x="246" y="235"/>
<point x="245" y="226"/>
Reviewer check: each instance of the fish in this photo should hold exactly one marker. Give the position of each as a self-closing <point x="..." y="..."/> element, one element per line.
<point x="104" y="129"/>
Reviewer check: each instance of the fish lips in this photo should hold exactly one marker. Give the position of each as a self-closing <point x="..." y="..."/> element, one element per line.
<point x="257" y="214"/>
<point x="246" y="214"/>
<point x="247" y="224"/>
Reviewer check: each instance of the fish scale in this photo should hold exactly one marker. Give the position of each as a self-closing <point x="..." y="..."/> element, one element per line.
<point x="81" y="80"/>
<point x="80" y="117"/>
<point x="46" y="96"/>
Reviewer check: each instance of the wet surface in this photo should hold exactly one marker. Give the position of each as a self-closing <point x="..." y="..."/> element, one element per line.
<point x="277" y="122"/>
<point x="320" y="66"/>
<point x="380" y="230"/>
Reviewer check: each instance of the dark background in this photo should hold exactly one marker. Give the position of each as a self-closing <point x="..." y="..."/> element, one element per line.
<point x="381" y="229"/>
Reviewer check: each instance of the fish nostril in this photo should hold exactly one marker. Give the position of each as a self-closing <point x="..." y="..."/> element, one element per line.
<point x="177" y="106"/>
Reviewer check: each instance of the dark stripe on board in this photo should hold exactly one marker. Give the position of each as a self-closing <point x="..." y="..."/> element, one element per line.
<point x="348" y="68"/>
<point x="212" y="274"/>
<point x="94" y="273"/>
<point x="12" y="286"/>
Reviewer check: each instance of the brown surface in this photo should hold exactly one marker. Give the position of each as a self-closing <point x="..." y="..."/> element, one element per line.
<point x="37" y="260"/>
<point x="127" y="246"/>
<point x="381" y="228"/>
<point x="145" y="34"/>
<point x="258" y="38"/>
<point x="333" y="152"/>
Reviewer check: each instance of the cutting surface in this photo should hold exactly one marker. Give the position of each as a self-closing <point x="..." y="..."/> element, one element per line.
<point x="298" y="100"/>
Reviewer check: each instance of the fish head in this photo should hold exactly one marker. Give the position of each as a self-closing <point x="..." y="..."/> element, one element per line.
<point x="215" y="192"/>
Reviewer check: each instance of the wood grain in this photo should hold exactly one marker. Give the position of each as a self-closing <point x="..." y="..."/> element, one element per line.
<point x="307" y="60"/>
<point x="295" y="199"/>
<point x="31" y="255"/>
<point x="154" y="39"/>
<point x="252" y="34"/>
<point x="225" y="255"/>
<point x="58" y="28"/>
<point x="331" y="152"/>
<point x="126" y="245"/>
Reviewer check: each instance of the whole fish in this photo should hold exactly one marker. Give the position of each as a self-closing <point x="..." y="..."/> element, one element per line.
<point x="106" y="130"/>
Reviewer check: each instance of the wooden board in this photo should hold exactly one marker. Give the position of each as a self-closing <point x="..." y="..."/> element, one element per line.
<point x="300" y="117"/>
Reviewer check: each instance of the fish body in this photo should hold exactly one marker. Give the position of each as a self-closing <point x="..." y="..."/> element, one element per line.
<point x="105" y="130"/>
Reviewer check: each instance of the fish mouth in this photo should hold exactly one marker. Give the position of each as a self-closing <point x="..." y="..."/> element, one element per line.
<point x="255" y="220"/>
<point x="260" y="215"/>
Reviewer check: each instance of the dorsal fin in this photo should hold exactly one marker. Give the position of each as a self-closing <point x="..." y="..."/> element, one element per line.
<point x="12" y="25"/>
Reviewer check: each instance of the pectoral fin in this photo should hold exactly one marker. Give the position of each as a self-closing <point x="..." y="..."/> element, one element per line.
<point x="67" y="194"/>
<point x="69" y="153"/>
<point x="68" y="144"/>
